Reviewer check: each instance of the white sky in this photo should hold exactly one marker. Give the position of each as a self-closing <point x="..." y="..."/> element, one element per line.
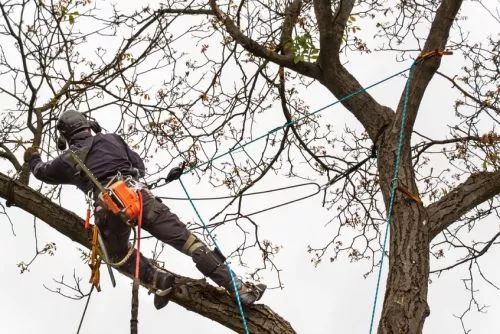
<point x="332" y="298"/>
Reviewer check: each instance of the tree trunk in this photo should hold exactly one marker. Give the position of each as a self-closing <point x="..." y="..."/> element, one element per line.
<point x="405" y="304"/>
<point x="195" y="295"/>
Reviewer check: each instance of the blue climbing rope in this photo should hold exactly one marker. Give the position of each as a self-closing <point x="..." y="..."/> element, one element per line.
<point x="393" y="190"/>
<point x="233" y="281"/>
<point x="290" y="123"/>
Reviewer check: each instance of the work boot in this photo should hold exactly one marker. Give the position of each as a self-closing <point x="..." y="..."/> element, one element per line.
<point x="249" y="293"/>
<point x="163" y="288"/>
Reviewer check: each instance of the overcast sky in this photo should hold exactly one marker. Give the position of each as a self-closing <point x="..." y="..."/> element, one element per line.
<point x="330" y="298"/>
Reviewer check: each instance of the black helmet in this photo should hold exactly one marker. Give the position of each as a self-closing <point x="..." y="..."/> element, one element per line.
<point x="71" y="122"/>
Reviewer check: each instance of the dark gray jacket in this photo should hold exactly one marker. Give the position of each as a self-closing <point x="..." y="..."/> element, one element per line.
<point x="108" y="155"/>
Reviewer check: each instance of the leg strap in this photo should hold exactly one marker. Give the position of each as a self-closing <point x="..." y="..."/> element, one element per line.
<point x="191" y="245"/>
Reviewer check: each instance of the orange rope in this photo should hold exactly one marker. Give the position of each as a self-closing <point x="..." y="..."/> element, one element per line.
<point x="95" y="260"/>
<point x="428" y="54"/>
<point x="87" y="219"/>
<point x="135" y="287"/>
<point x="139" y="225"/>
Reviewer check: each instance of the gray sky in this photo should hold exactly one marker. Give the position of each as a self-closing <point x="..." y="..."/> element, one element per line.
<point x="332" y="298"/>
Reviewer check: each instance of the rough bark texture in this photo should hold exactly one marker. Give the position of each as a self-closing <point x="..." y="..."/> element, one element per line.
<point x="405" y="305"/>
<point x="195" y="295"/>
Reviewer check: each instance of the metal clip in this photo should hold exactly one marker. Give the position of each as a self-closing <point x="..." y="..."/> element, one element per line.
<point x="89" y="197"/>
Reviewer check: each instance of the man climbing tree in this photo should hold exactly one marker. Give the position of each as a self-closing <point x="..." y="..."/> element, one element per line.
<point x="243" y="70"/>
<point x="109" y="159"/>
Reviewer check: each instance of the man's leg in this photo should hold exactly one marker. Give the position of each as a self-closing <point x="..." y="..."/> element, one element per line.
<point x="115" y="234"/>
<point x="166" y="226"/>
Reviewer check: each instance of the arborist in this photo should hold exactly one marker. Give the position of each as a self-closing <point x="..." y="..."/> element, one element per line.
<point x="108" y="156"/>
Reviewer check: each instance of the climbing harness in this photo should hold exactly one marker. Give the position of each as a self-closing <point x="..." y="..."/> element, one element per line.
<point x="116" y="196"/>
<point x="123" y="198"/>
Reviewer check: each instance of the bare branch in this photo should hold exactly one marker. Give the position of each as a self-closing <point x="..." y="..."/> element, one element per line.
<point x="463" y="91"/>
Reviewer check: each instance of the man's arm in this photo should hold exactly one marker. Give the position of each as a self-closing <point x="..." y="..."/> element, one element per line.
<point x="56" y="171"/>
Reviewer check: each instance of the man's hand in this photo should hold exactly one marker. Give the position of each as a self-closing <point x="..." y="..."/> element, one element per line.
<point x="30" y="151"/>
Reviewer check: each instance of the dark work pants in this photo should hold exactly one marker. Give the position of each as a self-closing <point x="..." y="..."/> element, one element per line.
<point x="160" y="222"/>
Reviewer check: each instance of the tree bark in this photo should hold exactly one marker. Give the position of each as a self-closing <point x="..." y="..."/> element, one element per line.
<point x="405" y="304"/>
<point x="195" y="295"/>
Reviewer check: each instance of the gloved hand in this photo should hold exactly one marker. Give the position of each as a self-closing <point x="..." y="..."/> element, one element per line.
<point x="30" y="151"/>
<point x="174" y="174"/>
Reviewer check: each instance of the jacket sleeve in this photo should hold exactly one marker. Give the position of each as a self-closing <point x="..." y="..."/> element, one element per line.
<point x="57" y="171"/>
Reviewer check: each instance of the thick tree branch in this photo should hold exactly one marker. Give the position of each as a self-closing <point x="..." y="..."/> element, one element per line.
<point x="336" y="77"/>
<point x="425" y="70"/>
<point x="477" y="189"/>
<point x="372" y="115"/>
<point x="305" y="68"/>
<point x="324" y="17"/>
<point x="331" y="29"/>
<point x="195" y="295"/>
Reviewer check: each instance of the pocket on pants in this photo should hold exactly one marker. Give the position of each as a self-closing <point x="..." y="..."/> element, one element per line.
<point x="153" y="209"/>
